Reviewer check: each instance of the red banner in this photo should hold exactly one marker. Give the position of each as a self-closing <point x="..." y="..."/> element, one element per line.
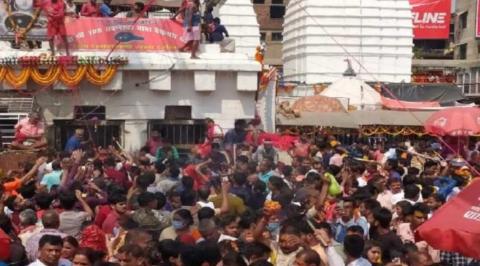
<point x="431" y="18"/>
<point x="477" y="20"/>
<point x="145" y="35"/>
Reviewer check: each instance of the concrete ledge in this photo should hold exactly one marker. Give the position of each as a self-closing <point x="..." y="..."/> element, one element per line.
<point x="160" y="80"/>
<point x="247" y="81"/>
<point x="116" y="84"/>
<point x="204" y="80"/>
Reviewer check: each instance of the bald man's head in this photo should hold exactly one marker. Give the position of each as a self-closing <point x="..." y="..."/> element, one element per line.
<point x="50" y="219"/>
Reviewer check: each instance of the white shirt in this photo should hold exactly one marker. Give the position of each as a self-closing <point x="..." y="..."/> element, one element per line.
<point x="333" y="258"/>
<point x="226" y="237"/>
<point x="61" y="262"/>
<point x="361" y="181"/>
<point x="206" y="204"/>
<point x="360" y="262"/>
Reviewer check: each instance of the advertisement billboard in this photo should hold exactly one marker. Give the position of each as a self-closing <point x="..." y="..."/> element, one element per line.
<point x="126" y="34"/>
<point x="431" y="18"/>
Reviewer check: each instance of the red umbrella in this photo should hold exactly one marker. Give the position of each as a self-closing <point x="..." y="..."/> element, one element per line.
<point x="456" y="225"/>
<point x="456" y="121"/>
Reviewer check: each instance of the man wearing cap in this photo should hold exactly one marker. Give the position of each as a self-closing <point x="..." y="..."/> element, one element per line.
<point x="29" y="133"/>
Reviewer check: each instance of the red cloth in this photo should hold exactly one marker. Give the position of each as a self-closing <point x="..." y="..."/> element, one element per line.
<point x="204" y="149"/>
<point x="406" y="105"/>
<point x="21" y="138"/>
<point x="281" y="142"/>
<point x="56" y="17"/>
<point x="4" y="246"/>
<point x="89" y="10"/>
<point x="103" y="212"/>
<point x="110" y="222"/>
<point x="455" y="226"/>
<point x="93" y="237"/>
<point x="187" y="239"/>
<point x="117" y="177"/>
<point x="198" y="181"/>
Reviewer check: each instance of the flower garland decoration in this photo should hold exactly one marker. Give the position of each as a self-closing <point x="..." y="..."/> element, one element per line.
<point x="58" y="69"/>
<point x="393" y="131"/>
<point x="17" y="80"/>
<point x="3" y="72"/>
<point x="97" y="78"/>
<point x="58" y="73"/>
<point x="75" y="78"/>
<point x="49" y="60"/>
<point x="48" y="78"/>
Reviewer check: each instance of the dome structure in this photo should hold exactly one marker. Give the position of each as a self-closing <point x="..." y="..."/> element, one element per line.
<point x="361" y="96"/>
<point x="375" y="35"/>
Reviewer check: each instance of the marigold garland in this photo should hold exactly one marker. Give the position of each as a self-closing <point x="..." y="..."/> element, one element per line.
<point x="3" y="72"/>
<point x="100" y="79"/>
<point x="393" y="131"/>
<point x="17" y="80"/>
<point x="58" y="73"/>
<point x="48" y="78"/>
<point x="75" y="78"/>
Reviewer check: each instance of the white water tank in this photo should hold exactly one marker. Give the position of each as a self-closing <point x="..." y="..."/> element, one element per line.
<point x="240" y="19"/>
<point x="375" y="35"/>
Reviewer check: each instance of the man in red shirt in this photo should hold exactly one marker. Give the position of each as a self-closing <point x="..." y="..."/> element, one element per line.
<point x="116" y="176"/>
<point x="55" y="10"/>
<point x="118" y="203"/>
<point x="89" y="9"/>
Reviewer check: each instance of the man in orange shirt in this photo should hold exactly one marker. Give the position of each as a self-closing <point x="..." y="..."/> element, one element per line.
<point x="11" y="185"/>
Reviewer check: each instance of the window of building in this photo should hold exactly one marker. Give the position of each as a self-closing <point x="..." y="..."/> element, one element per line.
<point x="101" y="134"/>
<point x="89" y="112"/>
<point x="277" y="36"/>
<point x="277" y="2"/>
<point x="463" y="18"/>
<point x="258" y="1"/>
<point x="277" y="11"/>
<point x="462" y="53"/>
<point x="263" y="36"/>
<point x="180" y="132"/>
<point x="178" y="112"/>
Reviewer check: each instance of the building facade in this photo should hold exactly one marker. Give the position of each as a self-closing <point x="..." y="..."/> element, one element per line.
<point x="467" y="49"/>
<point x="166" y="91"/>
<point x="270" y="16"/>
<point x="374" y="35"/>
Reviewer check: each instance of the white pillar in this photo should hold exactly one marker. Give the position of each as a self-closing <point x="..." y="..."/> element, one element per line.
<point x="135" y="134"/>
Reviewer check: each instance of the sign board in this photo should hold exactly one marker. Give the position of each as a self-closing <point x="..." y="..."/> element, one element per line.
<point x="144" y="35"/>
<point x="431" y="18"/>
<point x="94" y="34"/>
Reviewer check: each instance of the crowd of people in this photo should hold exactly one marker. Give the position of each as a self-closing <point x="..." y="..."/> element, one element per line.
<point x="245" y="197"/>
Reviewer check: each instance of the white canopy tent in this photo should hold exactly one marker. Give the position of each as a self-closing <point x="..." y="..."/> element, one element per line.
<point x="360" y="95"/>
